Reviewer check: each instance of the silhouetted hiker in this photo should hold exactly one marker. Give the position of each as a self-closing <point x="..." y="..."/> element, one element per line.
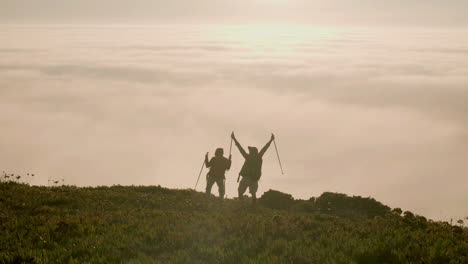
<point x="218" y="166"/>
<point x="252" y="169"/>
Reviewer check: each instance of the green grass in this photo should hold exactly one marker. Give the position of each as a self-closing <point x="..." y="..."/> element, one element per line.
<point x="157" y="225"/>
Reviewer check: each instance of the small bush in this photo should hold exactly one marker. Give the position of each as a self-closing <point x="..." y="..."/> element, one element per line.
<point x="277" y="200"/>
<point x="344" y="205"/>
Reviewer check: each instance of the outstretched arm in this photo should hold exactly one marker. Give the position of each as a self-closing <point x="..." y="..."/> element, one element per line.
<point x="265" y="148"/>
<point x="207" y="163"/>
<point x="241" y="149"/>
<point x="229" y="162"/>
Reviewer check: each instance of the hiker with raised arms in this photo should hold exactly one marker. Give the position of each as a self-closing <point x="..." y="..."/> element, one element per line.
<point x="218" y="166"/>
<point x="252" y="169"/>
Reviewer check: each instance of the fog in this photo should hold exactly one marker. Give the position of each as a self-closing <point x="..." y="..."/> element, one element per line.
<point x="368" y="112"/>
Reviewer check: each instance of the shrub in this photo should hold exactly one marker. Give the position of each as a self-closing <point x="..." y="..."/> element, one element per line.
<point x="344" y="205"/>
<point x="277" y="200"/>
<point x="397" y="211"/>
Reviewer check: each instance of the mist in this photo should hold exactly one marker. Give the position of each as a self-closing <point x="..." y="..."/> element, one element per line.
<point x="355" y="110"/>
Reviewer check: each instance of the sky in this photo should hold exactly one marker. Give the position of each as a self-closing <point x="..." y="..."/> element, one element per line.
<point x="376" y="110"/>
<point x="329" y="12"/>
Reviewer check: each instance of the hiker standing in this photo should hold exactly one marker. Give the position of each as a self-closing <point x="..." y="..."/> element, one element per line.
<point x="252" y="169"/>
<point x="218" y="166"/>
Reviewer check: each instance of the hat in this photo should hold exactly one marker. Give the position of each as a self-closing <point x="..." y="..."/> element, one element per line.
<point x="253" y="150"/>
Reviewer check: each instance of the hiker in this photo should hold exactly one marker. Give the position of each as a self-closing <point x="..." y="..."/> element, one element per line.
<point x="218" y="166"/>
<point x="252" y="169"/>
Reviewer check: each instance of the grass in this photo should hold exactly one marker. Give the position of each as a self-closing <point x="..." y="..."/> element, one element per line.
<point x="157" y="225"/>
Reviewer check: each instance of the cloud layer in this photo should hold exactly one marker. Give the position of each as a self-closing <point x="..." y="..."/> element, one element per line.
<point x="355" y="110"/>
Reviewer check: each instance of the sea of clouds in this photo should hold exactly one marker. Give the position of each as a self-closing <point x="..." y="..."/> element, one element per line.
<point x="369" y="112"/>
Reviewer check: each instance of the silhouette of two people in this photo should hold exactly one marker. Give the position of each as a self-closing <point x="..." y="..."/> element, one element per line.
<point x="251" y="170"/>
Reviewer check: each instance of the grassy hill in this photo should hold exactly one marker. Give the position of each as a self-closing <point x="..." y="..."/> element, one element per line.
<point x="157" y="225"/>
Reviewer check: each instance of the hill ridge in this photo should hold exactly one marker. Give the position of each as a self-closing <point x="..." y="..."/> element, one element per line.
<point x="153" y="224"/>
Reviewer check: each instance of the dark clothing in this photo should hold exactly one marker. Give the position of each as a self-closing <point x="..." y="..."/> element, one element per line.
<point x="218" y="167"/>
<point x="210" y="180"/>
<point x="248" y="183"/>
<point x="252" y="167"/>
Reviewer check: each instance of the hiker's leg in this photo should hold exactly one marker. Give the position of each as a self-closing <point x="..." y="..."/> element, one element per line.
<point x="242" y="187"/>
<point x="221" y="188"/>
<point x="209" y="184"/>
<point x="253" y="187"/>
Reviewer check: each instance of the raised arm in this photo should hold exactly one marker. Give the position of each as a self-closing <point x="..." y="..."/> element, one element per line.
<point x="241" y="149"/>
<point x="207" y="163"/>
<point x="229" y="162"/>
<point x="267" y="145"/>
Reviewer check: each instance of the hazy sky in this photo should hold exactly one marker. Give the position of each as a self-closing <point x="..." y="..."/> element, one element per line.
<point x="374" y="111"/>
<point x="340" y="12"/>
<point x="354" y="111"/>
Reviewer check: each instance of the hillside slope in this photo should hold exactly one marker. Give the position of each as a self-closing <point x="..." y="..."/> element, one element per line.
<point x="157" y="225"/>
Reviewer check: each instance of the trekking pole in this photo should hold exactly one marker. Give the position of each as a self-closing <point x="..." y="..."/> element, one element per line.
<point x="277" y="154"/>
<point x="203" y="164"/>
<point x="230" y="148"/>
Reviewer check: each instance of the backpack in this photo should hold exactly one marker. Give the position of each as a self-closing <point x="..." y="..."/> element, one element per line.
<point x="252" y="167"/>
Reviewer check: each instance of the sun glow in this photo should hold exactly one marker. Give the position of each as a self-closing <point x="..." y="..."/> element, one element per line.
<point x="276" y="35"/>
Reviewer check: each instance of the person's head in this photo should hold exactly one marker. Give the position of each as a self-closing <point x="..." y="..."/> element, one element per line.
<point x="253" y="150"/>
<point x="219" y="152"/>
